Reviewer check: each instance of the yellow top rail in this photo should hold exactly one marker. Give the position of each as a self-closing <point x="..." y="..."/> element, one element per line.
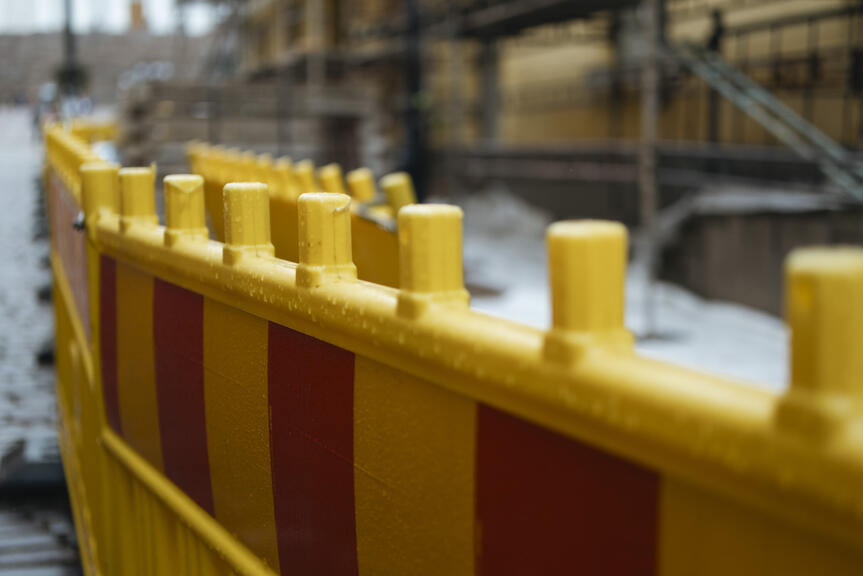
<point x="795" y="458"/>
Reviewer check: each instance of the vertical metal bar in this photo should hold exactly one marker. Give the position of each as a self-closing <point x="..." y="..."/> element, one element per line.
<point x="741" y="52"/>
<point x="713" y="110"/>
<point x="490" y="86"/>
<point x="647" y="154"/>
<point x="415" y="162"/>
<point x="846" y="93"/>
<point x="856" y="44"/>
<point x="456" y="101"/>
<point x="775" y="67"/>
<point x="812" y="68"/>
<point x="68" y="37"/>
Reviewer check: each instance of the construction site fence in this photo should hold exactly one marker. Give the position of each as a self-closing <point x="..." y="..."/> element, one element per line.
<point x="227" y="410"/>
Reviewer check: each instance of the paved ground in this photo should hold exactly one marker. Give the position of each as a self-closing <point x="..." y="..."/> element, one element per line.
<point x="36" y="535"/>
<point x="26" y="389"/>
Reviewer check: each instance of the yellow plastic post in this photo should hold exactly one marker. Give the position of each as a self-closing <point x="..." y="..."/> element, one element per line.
<point x="184" y="208"/>
<point x="430" y="258"/>
<point x="99" y="189"/>
<point x="264" y="169"/>
<point x="587" y="272"/>
<point x="399" y="190"/>
<point x="362" y="185"/>
<point x="824" y="287"/>
<point x="286" y="180"/>
<point x="330" y="177"/>
<point x="195" y="153"/>
<point x="248" y="166"/>
<point x="324" y="239"/>
<point x="137" y="197"/>
<point x="247" y="221"/>
<point x="305" y="173"/>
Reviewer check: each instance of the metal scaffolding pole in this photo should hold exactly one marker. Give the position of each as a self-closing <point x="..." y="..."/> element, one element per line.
<point x="415" y="137"/>
<point x="647" y="155"/>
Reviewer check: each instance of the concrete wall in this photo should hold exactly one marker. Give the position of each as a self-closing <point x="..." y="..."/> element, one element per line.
<point x="739" y="257"/>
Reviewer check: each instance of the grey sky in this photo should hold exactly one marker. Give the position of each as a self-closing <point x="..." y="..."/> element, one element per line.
<point x="27" y="16"/>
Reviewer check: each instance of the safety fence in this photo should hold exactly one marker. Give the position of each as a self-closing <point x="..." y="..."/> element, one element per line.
<point x="232" y="411"/>
<point x="373" y="225"/>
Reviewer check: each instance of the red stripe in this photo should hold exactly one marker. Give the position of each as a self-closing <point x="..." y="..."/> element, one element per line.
<point x="108" y="341"/>
<point x="71" y="245"/>
<point x="549" y="505"/>
<point x="178" y="331"/>
<point x="311" y="441"/>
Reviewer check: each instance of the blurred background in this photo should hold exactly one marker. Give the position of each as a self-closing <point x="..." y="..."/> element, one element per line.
<point x="723" y="133"/>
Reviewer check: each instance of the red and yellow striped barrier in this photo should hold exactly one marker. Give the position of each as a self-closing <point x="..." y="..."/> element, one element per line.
<point x="249" y="414"/>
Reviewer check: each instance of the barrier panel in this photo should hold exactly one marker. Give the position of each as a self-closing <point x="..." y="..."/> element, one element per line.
<point x="373" y="226"/>
<point x="249" y="414"/>
<point x="90" y="131"/>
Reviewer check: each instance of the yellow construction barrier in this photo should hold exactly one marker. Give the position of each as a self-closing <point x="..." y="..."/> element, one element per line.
<point x="235" y="412"/>
<point x="92" y="131"/>
<point x="373" y="216"/>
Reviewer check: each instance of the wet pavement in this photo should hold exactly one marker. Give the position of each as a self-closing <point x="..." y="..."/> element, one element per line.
<point x="36" y="533"/>
<point x="27" y="407"/>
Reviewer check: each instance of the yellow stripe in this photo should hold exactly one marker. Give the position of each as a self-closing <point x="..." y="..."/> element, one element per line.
<point x="238" y="437"/>
<point x="136" y="370"/>
<point x="702" y="533"/>
<point x="414" y="446"/>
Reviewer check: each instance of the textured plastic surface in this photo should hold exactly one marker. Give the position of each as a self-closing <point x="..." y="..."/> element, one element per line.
<point x="247" y="414"/>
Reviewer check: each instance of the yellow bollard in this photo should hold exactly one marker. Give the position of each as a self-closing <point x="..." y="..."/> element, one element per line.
<point x="305" y="173"/>
<point x="824" y="287"/>
<point x="264" y="169"/>
<point x="195" y="154"/>
<point x="330" y="177"/>
<point x="587" y="272"/>
<point x="247" y="221"/>
<point x="362" y="185"/>
<point x="430" y="258"/>
<point x="324" y="239"/>
<point x="137" y="197"/>
<point x="248" y="168"/>
<point x="399" y="190"/>
<point x="184" y="208"/>
<point x="99" y="189"/>
<point x="287" y="185"/>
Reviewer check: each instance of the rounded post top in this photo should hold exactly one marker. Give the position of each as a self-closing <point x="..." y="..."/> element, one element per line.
<point x="587" y="229"/>
<point x="184" y="182"/>
<point x="247" y="220"/>
<point x="430" y="258"/>
<point x="137" y="196"/>
<point x="587" y="273"/>
<point x="361" y="183"/>
<point x="399" y="190"/>
<point x="330" y="177"/>
<point x="823" y="308"/>
<point x="184" y="208"/>
<point x="324" y="238"/>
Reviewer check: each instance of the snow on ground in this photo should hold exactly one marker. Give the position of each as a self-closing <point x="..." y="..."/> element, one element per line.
<point x="27" y="406"/>
<point x="505" y="269"/>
